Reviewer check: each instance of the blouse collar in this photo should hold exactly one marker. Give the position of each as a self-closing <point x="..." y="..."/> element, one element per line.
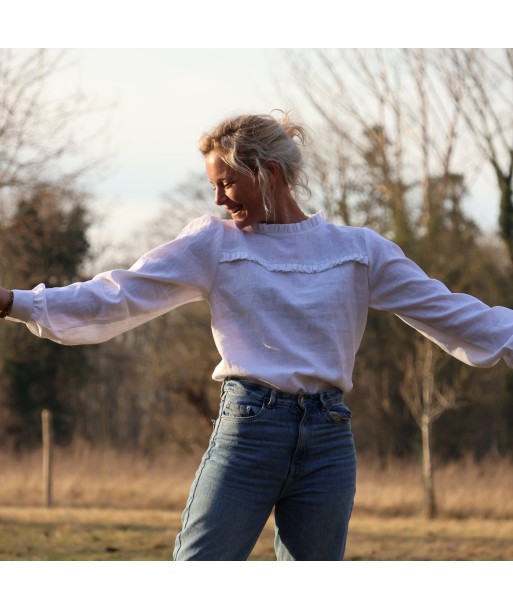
<point x="290" y="228"/>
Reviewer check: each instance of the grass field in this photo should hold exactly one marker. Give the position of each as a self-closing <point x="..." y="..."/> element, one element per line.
<point x="109" y="507"/>
<point x="105" y="534"/>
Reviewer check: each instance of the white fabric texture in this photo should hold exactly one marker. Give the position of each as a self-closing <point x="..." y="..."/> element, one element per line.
<point x="289" y="302"/>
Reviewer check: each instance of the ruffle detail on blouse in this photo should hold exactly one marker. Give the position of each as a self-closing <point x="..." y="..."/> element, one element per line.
<point x="292" y="267"/>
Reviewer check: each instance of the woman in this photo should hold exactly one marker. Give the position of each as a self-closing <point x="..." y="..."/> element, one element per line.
<point x="289" y="295"/>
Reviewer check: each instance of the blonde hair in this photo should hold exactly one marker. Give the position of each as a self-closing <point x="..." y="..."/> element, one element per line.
<point x="249" y="141"/>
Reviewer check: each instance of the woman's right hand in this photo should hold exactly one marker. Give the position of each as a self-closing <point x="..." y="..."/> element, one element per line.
<point x="5" y="296"/>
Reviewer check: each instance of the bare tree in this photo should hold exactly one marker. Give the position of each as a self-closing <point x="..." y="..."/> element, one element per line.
<point x="394" y="124"/>
<point x="428" y="397"/>
<point x="39" y="141"/>
<point x="481" y="83"/>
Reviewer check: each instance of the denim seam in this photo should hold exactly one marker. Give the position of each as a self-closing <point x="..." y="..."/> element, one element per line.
<point x="187" y="510"/>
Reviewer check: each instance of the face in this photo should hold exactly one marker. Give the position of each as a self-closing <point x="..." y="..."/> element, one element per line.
<point x="237" y="192"/>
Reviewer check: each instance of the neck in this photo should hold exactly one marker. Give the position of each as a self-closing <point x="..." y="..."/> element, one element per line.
<point x="285" y="210"/>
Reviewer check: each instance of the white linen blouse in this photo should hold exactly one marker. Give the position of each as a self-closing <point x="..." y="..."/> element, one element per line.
<point x="289" y="302"/>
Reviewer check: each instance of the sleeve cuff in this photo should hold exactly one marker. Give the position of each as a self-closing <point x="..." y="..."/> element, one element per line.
<point x="23" y="305"/>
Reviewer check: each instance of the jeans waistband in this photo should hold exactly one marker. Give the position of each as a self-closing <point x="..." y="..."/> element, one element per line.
<point x="243" y="386"/>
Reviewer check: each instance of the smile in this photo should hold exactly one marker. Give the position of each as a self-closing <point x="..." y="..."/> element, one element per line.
<point x="235" y="210"/>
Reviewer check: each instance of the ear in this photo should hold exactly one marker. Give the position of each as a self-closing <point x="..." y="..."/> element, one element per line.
<point x="274" y="170"/>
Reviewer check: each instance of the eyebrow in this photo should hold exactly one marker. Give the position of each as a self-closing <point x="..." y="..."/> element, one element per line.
<point x="228" y="178"/>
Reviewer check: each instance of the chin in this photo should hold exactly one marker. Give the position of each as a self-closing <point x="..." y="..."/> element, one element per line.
<point x="240" y="224"/>
<point x="248" y="219"/>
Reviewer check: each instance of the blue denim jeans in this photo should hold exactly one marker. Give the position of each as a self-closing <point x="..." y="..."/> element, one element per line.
<point x="293" y="453"/>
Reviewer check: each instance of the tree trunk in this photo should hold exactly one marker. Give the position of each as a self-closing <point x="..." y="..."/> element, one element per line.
<point x="429" y="503"/>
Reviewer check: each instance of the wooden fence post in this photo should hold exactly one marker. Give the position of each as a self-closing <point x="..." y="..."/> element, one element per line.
<point x="47" y="458"/>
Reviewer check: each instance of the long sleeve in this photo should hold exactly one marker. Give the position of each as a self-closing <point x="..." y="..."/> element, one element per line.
<point x="462" y="325"/>
<point x="113" y="302"/>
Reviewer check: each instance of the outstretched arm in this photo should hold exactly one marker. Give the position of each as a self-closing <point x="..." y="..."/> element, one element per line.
<point x="94" y="311"/>
<point x="462" y="325"/>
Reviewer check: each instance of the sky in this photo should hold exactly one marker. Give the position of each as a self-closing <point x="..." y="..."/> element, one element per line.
<point x="153" y="105"/>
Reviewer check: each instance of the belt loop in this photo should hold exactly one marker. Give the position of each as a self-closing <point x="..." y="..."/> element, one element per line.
<point x="272" y="398"/>
<point x="324" y="396"/>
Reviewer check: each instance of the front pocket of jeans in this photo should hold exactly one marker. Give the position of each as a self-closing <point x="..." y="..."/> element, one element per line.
<point x="241" y="408"/>
<point x="338" y="414"/>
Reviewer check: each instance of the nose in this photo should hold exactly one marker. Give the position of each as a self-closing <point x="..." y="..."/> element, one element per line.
<point x="219" y="195"/>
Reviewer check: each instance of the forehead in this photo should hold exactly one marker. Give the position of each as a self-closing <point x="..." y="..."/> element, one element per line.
<point x="216" y="168"/>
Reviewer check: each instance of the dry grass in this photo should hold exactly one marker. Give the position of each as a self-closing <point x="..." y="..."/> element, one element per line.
<point x="84" y="477"/>
<point x="463" y="489"/>
<point x="413" y="538"/>
<point x="36" y="533"/>
<point x="109" y="506"/>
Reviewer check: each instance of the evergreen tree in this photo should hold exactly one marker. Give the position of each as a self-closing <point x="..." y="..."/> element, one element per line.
<point x="44" y="241"/>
